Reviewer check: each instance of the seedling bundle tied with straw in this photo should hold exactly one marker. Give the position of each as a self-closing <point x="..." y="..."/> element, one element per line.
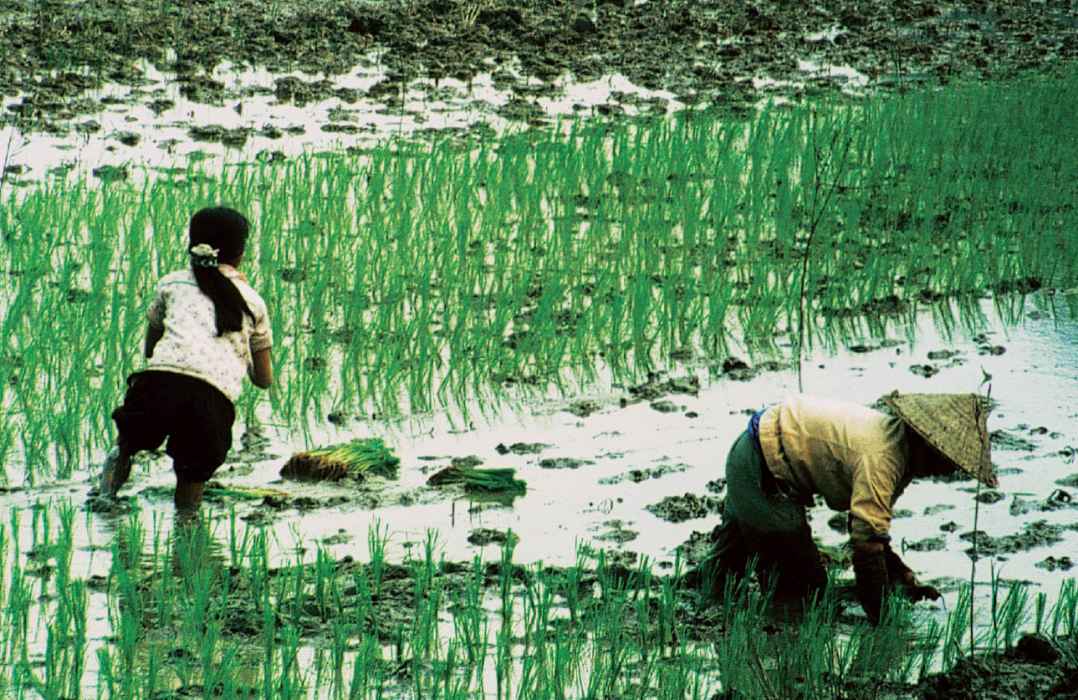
<point x="492" y="482"/>
<point x="356" y="460"/>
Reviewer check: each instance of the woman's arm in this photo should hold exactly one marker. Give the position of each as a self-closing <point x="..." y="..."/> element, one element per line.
<point x="153" y="334"/>
<point x="261" y="369"/>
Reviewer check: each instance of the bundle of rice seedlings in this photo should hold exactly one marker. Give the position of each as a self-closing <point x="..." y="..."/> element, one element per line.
<point x="241" y="493"/>
<point x="355" y="460"/>
<point x="481" y="481"/>
<point x="215" y="490"/>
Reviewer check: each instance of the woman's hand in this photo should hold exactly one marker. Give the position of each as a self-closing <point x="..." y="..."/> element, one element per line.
<point x="905" y="581"/>
<point x="916" y="592"/>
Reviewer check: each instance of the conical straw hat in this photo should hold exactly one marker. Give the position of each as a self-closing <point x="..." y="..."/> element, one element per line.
<point x="956" y="425"/>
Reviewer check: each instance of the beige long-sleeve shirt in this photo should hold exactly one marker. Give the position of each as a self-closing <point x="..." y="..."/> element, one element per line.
<point x="856" y="458"/>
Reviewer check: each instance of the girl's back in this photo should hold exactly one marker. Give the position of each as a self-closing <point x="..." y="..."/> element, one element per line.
<point x="190" y="343"/>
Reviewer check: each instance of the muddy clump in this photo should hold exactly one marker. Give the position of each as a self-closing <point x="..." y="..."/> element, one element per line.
<point x="615" y="531"/>
<point x="677" y="509"/>
<point x="1069" y="481"/>
<point x="1009" y="442"/>
<point x="737" y="370"/>
<point x="564" y="463"/>
<point x="657" y="386"/>
<point x="1032" y="670"/>
<point x="484" y="536"/>
<point x="716" y="485"/>
<point x="583" y="408"/>
<point x="521" y="448"/>
<point x="637" y="476"/>
<point x="1036" y="534"/>
<point x="215" y="133"/>
<point x="925" y="371"/>
<point x="928" y="544"/>
<point x="1057" y="500"/>
<point x="1055" y="564"/>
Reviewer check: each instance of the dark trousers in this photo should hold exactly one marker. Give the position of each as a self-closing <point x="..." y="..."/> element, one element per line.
<point x="759" y="522"/>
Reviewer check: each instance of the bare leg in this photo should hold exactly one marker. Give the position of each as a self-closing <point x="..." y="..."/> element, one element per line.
<point x="123" y="466"/>
<point x="116" y="470"/>
<point x="189" y="496"/>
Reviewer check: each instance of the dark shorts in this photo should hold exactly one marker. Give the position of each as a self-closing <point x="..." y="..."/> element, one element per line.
<point x="194" y="415"/>
<point x="758" y="522"/>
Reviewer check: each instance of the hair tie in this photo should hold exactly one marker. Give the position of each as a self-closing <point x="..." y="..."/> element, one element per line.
<point x="203" y="255"/>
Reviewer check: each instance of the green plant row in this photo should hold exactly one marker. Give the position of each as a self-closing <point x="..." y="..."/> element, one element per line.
<point x="190" y="615"/>
<point x="412" y="277"/>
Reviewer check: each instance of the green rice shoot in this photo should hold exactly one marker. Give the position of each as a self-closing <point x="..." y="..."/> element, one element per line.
<point x="498" y="481"/>
<point x="357" y="460"/>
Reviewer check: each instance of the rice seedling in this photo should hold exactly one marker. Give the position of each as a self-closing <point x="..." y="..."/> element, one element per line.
<point x="480" y="481"/>
<point x="626" y="640"/>
<point x="409" y="278"/>
<point x="357" y="459"/>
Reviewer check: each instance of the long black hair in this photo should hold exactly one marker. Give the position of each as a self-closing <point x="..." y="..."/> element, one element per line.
<point x="226" y="231"/>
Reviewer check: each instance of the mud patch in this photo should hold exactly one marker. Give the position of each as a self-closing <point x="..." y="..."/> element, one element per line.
<point x="615" y="531"/>
<point x="484" y="536"/>
<point x="1057" y="500"/>
<point x="1036" y="534"/>
<point x="521" y="448"/>
<point x="583" y="408"/>
<point x="677" y="509"/>
<point x="1033" y="670"/>
<point x="928" y="544"/>
<point x="989" y="497"/>
<point x="1070" y="481"/>
<point x="1055" y="564"/>
<point x="638" y="475"/>
<point x="564" y="463"/>
<point x="1009" y="442"/>
<point x="658" y="386"/>
<point x="696" y="548"/>
<point x="737" y="370"/>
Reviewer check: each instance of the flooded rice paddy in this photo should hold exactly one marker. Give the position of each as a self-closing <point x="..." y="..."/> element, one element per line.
<point x="639" y="476"/>
<point x="624" y="239"/>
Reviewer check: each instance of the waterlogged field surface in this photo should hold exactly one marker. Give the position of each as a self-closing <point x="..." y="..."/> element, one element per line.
<point x="636" y="481"/>
<point x="600" y="307"/>
<point x="413" y="278"/>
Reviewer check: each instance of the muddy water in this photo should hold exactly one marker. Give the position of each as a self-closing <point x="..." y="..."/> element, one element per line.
<point x="618" y="461"/>
<point x="161" y="125"/>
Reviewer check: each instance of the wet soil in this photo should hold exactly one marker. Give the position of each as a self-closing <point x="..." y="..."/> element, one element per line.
<point x="56" y="52"/>
<point x="1036" y="668"/>
<point x="483" y="536"/>
<point x="677" y="509"/>
<point x="1039" y="533"/>
<point x="521" y="448"/>
<point x="564" y="463"/>
<point x="638" y="475"/>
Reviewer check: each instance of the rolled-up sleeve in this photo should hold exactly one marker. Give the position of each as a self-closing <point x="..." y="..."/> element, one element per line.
<point x="875" y="485"/>
<point x="262" y="335"/>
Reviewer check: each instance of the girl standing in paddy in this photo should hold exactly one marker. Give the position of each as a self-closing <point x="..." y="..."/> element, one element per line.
<point x="206" y="329"/>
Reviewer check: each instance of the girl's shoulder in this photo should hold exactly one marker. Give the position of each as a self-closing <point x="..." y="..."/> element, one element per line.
<point x="177" y="276"/>
<point x="254" y="300"/>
